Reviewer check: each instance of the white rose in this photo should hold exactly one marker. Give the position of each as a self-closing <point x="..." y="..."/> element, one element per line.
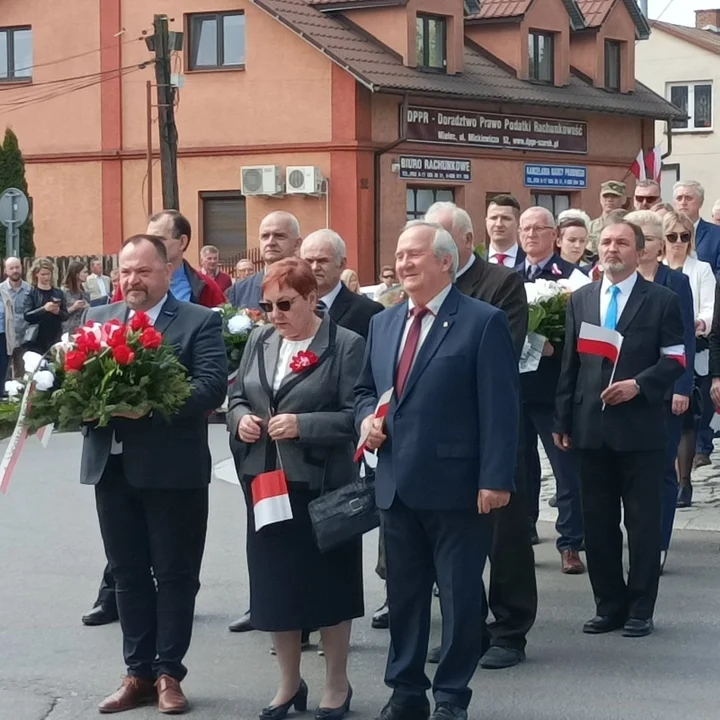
<point x="31" y="361"/>
<point x="532" y="293"/>
<point x="44" y="380"/>
<point x="14" y="388"/>
<point x="239" y="324"/>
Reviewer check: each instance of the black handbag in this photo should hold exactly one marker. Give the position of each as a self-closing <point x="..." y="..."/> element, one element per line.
<point x="344" y="514"/>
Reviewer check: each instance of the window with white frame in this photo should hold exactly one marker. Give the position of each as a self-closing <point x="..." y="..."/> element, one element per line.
<point x="695" y="100"/>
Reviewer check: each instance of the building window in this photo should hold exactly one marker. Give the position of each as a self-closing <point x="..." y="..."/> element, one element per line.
<point x="695" y="100"/>
<point x="15" y="54"/>
<point x="419" y="200"/>
<point x="224" y="223"/>
<point x="217" y="41"/>
<point x="612" y="65"/>
<point x="541" y="48"/>
<point x="431" y="43"/>
<point x="554" y="202"/>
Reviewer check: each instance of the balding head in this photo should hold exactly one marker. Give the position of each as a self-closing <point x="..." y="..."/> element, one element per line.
<point x="13" y="269"/>
<point x="279" y="236"/>
<point x="458" y="223"/>
<point x="326" y="252"/>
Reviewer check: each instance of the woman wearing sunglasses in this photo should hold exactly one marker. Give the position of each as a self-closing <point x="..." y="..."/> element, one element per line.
<point x="679" y="233"/>
<point x="292" y="411"/>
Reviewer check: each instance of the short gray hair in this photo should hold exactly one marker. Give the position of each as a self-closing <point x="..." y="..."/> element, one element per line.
<point x="694" y="184"/>
<point x="331" y="237"/>
<point x="646" y="218"/>
<point x="715" y="207"/>
<point x="289" y="218"/>
<point x="647" y="184"/>
<point x="539" y="208"/>
<point x="442" y="244"/>
<point x="460" y="219"/>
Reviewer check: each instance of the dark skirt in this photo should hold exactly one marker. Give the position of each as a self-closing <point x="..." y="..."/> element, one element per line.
<point x="293" y="586"/>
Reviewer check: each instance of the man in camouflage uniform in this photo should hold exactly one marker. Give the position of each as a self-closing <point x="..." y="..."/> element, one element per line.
<point x="613" y="196"/>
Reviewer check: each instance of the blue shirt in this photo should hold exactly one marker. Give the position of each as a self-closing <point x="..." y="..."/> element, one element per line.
<point x="180" y="285"/>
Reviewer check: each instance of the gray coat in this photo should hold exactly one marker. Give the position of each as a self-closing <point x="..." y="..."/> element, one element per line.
<point x="322" y="398"/>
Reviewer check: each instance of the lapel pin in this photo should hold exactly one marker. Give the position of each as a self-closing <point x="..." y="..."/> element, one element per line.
<point x="445" y="324"/>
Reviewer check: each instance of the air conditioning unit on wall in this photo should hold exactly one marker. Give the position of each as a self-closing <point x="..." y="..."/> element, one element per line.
<point x="262" y="180"/>
<point x="303" y="180"/>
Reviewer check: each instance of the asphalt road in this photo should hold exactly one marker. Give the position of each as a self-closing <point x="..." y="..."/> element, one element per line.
<point x="53" y="667"/>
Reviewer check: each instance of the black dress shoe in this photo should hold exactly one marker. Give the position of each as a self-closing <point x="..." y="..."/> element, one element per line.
<point x="243" y="624"/>
<point x="434" y="655"/>
<point x="381" y="618"/>
<point x="685" y="495"/>
<point x="602" y="624"/>
<point x="638" y="628"/>
<point x="100" y="615"/>
<point x="448" y="711"/>
<point x="278" y="712"/>
<point x="335" y="713"/>
<point x="499" y="658"/>
<point x="396" y="711"/>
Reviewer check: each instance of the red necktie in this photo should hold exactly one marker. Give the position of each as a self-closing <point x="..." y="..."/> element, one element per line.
<point x="501" y="257"/>
<point x="408" y="352"/>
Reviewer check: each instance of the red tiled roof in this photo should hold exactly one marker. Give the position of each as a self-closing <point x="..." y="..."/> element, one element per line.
<point x="501" y="8"/>
<point x="595" y="11"/>
<point x="351" y="3"/>
<point x="705" y="39"/>
<point x="484" y="78"/>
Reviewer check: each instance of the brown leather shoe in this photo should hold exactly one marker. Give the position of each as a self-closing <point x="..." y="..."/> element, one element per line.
<point x="171" y="699"/>
<point x="571" y="562"/>
<point x="133" y="693"/>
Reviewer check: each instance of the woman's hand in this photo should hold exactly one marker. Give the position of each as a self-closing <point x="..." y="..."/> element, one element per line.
<point x="283" y="427"/>
<point x="51" y="307"/>
<point x="680" y="404"/>
<point x="250" y="429"/>
<point x="700" y="328"/>
<point x="77" y="305"/>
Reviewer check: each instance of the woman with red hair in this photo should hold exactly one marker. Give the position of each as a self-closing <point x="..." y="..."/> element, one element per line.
<point x="292" y="411"/>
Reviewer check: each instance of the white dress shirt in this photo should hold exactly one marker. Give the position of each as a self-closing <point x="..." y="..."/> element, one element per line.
<point x="465" y="267"/>
<point x="427" y="322"/>
<point x="329" y="299"/>
<point x="625" y="287"/>
<point x="510" y="259"/>
<point x="153" y="314"/>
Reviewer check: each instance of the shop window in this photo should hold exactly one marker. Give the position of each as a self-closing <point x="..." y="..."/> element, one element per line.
<point x="419" y="200"/>
<point x="554" y="202"/>
<point x="541" y="48"/>
<point x="15" y="54"/>
<point x="612" y="65"/>
<point x="431" y="34"/>
<point x="217" y="41"/>
<point x="224" y="223"/>
<point x="695" y="100"/>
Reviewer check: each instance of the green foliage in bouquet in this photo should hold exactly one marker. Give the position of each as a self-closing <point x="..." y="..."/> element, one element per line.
<point x="9" y="412"/>
<point x="238" y="323"/>
<point x="547" y="317"/>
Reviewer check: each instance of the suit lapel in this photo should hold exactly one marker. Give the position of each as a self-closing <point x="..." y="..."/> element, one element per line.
<point x="634" y="303"/>
<point x="594" y="300"/>
<point x="270" y="354"/>
<point x="167" y="314"/>
<point x="340" y="306"/>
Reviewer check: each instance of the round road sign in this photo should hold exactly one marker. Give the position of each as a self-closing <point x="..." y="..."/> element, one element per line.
<point x="14" y="207"/>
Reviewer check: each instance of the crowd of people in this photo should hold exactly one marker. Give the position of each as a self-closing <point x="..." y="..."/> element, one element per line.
<point x="453" y="453"/>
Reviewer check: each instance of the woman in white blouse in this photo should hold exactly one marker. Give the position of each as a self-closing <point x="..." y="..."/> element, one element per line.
<point x="679" y="232"/>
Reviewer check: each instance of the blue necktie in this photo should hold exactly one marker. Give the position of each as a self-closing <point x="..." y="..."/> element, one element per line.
<point x="611" y="316"/>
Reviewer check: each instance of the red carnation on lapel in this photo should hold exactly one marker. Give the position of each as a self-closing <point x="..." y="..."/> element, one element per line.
<point x="303" y="360"/>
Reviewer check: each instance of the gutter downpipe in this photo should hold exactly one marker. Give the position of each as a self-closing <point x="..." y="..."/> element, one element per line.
<point x="377" y="182"/>
<point x="670" y="140"/>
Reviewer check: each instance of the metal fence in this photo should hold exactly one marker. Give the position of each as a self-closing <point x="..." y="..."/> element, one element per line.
<point x="63" y="261"/>
<point x="228" y="264"/>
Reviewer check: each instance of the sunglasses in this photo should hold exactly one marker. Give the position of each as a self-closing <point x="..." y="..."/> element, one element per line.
<point x="674" y="237"/>
<point x="282" y="305"/>
<point x="651" y="199"/>
<point x="388" y="277"/>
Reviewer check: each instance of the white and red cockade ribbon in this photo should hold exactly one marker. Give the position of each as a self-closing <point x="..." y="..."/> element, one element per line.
<point x="17" y="442"/>
<point x="675" y="352"/>
<point x="381" y="410"/>
<point x="596" y="340"/>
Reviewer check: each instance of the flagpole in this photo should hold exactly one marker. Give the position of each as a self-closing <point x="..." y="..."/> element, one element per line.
<point x="612" y="374"/>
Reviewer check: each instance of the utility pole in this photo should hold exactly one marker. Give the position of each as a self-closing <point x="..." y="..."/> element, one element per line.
<point x="166" y="115"/>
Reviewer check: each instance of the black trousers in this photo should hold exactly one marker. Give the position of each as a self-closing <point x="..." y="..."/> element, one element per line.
<point x="422" y="547"/>
<point x="634" y="480"/>
<point x="154" y="542"/>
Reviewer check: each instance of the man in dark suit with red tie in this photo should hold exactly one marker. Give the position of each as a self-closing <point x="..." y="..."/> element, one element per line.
<point x="614" y="418"/>
<point x="446" y="458"/>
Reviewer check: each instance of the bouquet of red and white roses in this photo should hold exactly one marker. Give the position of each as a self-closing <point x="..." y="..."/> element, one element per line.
<point x="238" y="323"/>
<point x="102" y="370"/>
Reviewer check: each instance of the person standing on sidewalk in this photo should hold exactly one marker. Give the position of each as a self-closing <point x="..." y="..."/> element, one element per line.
<point x="18" y="290"/>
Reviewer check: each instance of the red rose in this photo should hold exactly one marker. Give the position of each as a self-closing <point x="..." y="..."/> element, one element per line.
<point x="116" y="337"/>
<point x="303" y="360"/>
<point x="150" y="338"/>
<point x="87" y="342"/>
<point x="74" y="361"/>
<point x="139" y="321"/>
<point x="123" y="355"/>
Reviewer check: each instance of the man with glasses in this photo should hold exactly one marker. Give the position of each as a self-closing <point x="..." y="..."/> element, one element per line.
<point x="388" y="280"/>
<point x="537" y="391"/>
<point x="613" y="196"/>
<point x="647" y="194"/>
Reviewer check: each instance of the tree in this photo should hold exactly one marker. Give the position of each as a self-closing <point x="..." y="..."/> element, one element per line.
<point x="12" y="174"/>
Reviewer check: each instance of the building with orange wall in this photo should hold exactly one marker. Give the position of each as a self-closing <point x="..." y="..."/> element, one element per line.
<point x="395" y="102"/>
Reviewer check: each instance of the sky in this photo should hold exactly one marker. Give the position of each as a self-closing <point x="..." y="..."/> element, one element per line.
<point x="680" y="12"/>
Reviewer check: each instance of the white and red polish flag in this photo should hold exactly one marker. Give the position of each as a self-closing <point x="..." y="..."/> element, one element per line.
<point x="675" y="352"/>
<point x="271" y="501"/>
<point x="638" y="167"/>
<point x="596" y="340"/>
<point x="653" y="164"/>
<point x="381" y="410"/>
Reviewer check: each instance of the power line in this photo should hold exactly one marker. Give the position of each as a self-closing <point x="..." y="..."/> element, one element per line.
<point x="667" y="7"/>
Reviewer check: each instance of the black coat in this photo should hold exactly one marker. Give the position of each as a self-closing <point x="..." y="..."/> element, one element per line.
<point x="501" y="287"/>
<point x="353" y="311"/>
<point x="651" y="320"/>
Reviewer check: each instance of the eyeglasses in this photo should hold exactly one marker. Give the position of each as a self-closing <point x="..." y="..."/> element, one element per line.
<point x="388" y="277"/>
<point x="535" y="229"/>
<point x="650" y="199"/>
<point x="674" y="237"/>
<point x="282" y="305"/>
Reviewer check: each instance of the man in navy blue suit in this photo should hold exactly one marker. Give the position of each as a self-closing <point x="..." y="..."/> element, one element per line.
<point x="537" y="389"/>
<point x="446" y="459"/>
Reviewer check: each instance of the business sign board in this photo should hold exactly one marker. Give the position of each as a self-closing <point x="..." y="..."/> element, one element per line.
<point x="556" y="177"/>
<point x="417" y="167"/>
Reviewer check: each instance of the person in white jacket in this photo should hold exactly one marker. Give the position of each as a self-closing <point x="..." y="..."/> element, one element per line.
<point x="679" y="232"/>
